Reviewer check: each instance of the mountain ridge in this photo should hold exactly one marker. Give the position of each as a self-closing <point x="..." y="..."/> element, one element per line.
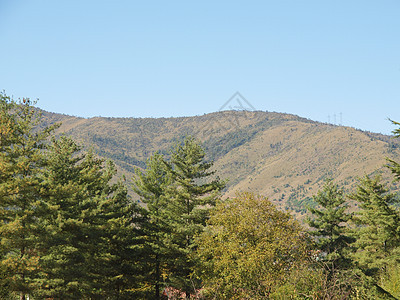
<point x="282" y="156"/>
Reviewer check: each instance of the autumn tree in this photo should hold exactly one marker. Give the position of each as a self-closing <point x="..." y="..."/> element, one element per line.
<point x="249" y="248"/>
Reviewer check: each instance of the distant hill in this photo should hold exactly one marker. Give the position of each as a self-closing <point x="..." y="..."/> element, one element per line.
<point x="282" y="156"/>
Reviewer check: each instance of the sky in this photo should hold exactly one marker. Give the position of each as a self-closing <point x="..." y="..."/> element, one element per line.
<point x="329" y="61"/>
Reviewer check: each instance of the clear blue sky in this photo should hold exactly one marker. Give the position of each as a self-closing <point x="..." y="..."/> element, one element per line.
<point x="183" y="58"/>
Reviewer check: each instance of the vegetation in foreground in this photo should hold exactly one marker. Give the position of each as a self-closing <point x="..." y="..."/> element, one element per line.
<point x="69" y="229"/>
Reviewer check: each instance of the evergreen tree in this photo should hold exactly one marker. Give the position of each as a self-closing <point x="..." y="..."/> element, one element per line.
<point x="120" y="262"/>
<point x="391" y="277"/>
<point x="377" y="235"/>
<point x="190" y="198"/>
<point x="394" y="166"/>
<point x="90" y="250"/>
<point x="62" y="259"/>
<point x="151" y="186"/>
<point x="66" y="231"/>
<point x="20" y="203"/>
<point x="329" y="222"/>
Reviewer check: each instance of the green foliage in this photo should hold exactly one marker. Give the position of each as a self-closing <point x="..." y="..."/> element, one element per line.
<point x="330" y="225"/>
<point x="390" y="280"/>
<point x="377" y="231"/>
<point x="90" y="241"/>
<point x="151" y="186"/>
<point x="69" y="230"/>
<point x="396" y="132"/>
<point x="249" y="248"/>
<point x="66" y="231"/>
<point x="190" y="198"/>
<point x="20" y="205"/>
<point x="393" y="165"/>
<point x="377" y="245"/>
<point x="121" y="231"/>
<point x="311" y="281"/>
<point x="62" y="260"/>
<point x="178" y="196"/>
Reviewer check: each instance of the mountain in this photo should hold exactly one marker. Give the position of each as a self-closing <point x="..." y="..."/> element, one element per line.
<point x="282" y="156"/>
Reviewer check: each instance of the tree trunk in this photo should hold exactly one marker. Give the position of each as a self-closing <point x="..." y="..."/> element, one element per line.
<point x="157" y="277"/>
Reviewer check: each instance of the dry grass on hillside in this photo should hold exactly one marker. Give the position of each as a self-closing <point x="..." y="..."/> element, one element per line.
<point x="282" y="156"/>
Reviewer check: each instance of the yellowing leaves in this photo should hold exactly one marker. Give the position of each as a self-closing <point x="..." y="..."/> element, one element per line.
<point x="249" y="247"/>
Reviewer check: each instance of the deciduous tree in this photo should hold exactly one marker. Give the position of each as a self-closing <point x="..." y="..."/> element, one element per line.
<point x="249" y="248"/>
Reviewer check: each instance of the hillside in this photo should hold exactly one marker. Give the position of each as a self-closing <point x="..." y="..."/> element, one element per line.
<point x="282" y="156"/>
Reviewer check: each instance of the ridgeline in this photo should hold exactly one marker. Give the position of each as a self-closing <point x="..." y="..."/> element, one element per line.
<point x="282" y="156"/>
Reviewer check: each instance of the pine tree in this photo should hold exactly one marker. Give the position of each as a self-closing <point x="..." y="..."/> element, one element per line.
<point x="394" y="166"/>
<point x="120" y="262"/>
<point x="329" y="222"/>
<point x="190" y="199"/>
<point x="62" y="261"/>
<point x="90" y="250"/>
<point x="151" y="186"/>
<point x="20" y="203"/>
<point x="65" y="259"/>
<point x="377" y="235"/>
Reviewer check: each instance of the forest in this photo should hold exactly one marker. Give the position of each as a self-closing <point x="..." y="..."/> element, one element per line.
<point x="70" y="230"/>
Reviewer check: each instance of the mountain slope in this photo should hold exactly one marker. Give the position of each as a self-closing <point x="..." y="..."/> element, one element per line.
<point x="282" y="156"/>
